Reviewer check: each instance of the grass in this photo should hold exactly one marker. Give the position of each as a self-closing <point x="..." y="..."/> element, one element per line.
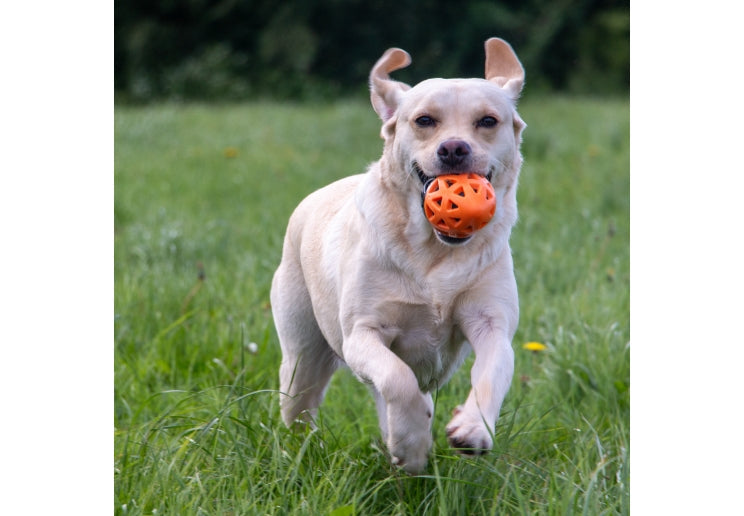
<point x="202" y="196"/>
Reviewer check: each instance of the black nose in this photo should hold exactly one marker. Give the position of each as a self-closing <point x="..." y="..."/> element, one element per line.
<point x="453" y="152"/>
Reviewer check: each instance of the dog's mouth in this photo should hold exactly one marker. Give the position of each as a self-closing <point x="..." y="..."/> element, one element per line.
<point x="426" y="179"/>
<point x="425" y="182"/>
<point x="450" y="240"/>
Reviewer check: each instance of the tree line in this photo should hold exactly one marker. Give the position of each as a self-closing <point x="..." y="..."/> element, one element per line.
<point x="320" y="49"/>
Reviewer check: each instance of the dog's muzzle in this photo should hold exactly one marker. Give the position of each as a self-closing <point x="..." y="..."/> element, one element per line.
<point x="425" y="181"/>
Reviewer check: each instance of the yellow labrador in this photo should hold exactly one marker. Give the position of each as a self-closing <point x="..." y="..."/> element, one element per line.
<point x="365" y="280"/>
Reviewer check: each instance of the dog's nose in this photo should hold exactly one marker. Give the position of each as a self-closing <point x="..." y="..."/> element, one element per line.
<point x="453" y="152"/>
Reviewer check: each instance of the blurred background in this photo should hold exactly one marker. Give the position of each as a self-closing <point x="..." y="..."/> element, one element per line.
<point x="321" y="49"/>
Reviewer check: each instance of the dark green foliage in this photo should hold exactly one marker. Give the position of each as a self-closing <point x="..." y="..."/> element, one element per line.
<point x="235" y="49"/>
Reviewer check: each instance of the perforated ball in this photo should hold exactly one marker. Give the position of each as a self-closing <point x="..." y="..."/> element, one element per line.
<point x="458" y="205"/>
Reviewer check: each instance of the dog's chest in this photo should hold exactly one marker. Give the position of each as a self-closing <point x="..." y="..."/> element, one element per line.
<point x="425" y="337"/>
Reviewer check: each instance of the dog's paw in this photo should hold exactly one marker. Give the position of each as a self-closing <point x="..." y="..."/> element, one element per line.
<point x="409" y="437"/>
<point x="468" y="434"/>
<point x="411" y="453"/>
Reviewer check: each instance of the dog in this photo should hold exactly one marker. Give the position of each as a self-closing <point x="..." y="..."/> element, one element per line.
<point x="365" y="280"/>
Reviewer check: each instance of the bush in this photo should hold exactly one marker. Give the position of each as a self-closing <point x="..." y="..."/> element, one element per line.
<point x="321" y="49"/>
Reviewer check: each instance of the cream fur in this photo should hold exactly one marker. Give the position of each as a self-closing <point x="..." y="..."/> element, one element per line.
<point x="364" y="280"/>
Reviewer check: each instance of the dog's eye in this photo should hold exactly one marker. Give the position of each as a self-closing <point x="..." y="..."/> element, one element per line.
<point x="425" y="121"/>
<point x="487" y="121"/>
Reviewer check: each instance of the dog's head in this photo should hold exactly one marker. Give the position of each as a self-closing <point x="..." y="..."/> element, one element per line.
<point x="451" y="126"/>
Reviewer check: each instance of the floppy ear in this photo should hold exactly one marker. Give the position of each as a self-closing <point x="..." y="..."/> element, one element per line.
<point x="386" y="93"/>
<point x="503" y="67"/>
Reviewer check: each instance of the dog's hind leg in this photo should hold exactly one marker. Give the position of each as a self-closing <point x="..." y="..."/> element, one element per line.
<point x="307" y="361"/>
<point x="304" y="378"/>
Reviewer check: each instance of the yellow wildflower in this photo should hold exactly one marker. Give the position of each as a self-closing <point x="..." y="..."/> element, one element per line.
<point x="230" y="152"/>
<point x="534" y="346"/>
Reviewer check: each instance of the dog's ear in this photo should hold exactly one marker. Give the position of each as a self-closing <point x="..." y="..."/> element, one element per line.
<point x="503" y="67"/>
<point x="519" y="126"/>
<point x="386" y="93"/>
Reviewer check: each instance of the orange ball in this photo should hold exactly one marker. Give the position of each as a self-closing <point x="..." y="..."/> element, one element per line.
<point x="459" y="204"/>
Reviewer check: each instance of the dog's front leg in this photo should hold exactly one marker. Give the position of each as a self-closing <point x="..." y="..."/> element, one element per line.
<point x="473" y="422"/>
<point x="407" y="411"/>
<point x="489" y="329"/>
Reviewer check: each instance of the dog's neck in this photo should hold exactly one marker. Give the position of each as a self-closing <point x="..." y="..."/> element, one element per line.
<point x="395" y="183"/>
<point x="404" y="220"/>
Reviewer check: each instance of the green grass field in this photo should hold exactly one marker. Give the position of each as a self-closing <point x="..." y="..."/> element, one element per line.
<point x="202" y="197"/>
